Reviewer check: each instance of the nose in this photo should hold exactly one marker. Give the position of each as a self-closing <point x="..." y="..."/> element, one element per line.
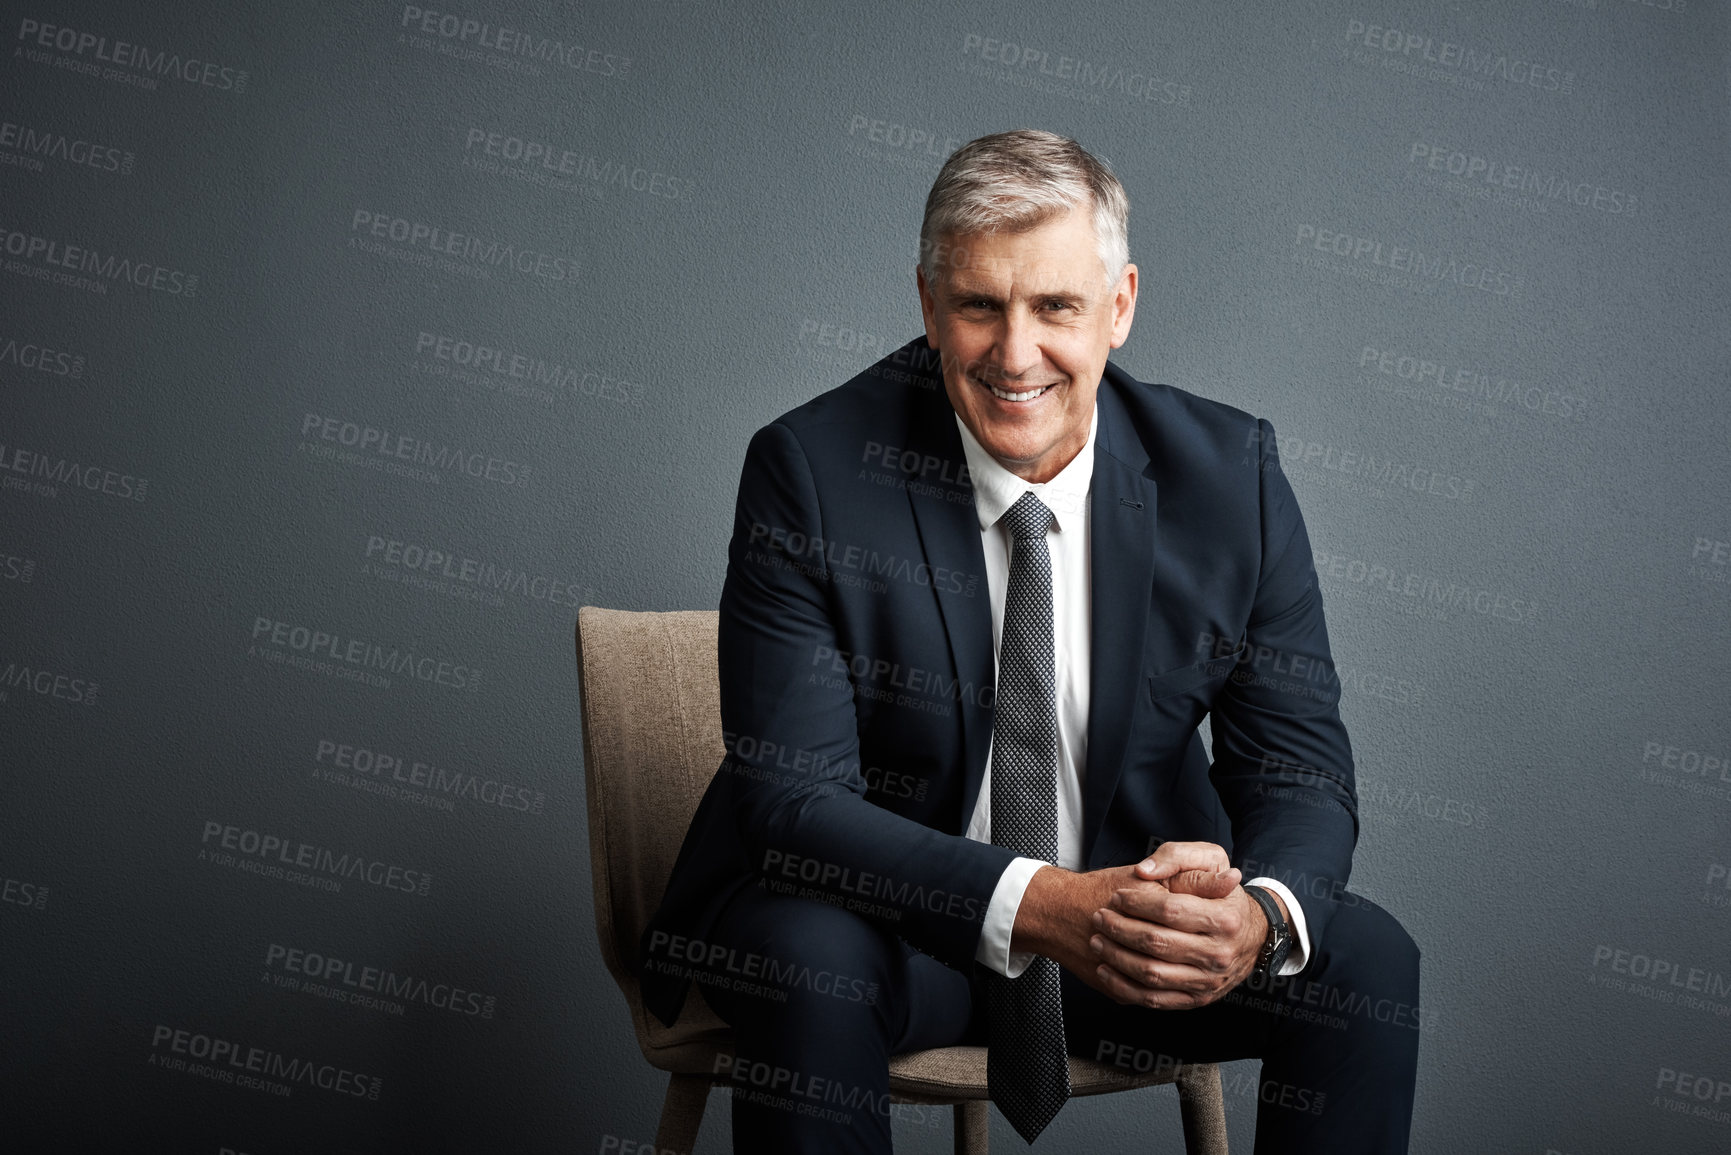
<point x="1018" y="348"/>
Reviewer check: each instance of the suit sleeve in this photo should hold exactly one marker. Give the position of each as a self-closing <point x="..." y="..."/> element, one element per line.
<point x="787" y="707"/>
<point x="1282" y="761"/>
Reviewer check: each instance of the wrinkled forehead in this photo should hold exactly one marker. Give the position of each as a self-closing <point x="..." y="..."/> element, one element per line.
<point x="1020" y="274"/>
<point x="1057" y="254"/>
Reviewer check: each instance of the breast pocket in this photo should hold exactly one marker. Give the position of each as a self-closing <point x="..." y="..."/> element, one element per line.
<point x="1187" y="678"/>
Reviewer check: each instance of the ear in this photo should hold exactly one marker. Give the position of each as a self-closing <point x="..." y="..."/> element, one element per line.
<point x="1124" y="305"/>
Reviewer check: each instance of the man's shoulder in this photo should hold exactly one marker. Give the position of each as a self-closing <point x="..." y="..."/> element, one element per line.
<point x="883" y="396"/>
<point x="1178" y="426"/>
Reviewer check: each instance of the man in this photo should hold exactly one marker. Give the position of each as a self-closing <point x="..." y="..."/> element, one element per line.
<point x="978" y="602"/>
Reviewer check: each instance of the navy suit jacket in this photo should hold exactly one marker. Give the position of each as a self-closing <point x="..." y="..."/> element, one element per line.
<point x="857" y="674"/>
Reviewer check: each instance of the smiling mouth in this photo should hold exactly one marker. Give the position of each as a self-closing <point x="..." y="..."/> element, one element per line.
<point x="1020" y="397"/>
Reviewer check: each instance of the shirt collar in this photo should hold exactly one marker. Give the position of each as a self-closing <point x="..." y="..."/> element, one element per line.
<point x="996" y="488"/>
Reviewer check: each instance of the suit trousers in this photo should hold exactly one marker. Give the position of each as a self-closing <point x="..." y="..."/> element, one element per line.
<point x="819" y="998"/>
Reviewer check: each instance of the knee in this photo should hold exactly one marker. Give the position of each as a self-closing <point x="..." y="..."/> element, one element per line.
<point x="1370" y="944"/>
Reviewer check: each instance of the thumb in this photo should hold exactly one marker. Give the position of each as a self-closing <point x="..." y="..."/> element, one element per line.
<point x="1153" y="869"/>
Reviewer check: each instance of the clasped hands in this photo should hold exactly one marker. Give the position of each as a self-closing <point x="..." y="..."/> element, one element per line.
<point x="1173" y="932"/>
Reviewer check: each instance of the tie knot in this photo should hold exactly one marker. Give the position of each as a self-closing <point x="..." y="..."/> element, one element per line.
<point x="1028" y="518"/>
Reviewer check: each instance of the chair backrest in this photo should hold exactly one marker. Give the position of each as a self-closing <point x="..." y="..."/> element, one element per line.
<point x="651" y="712"/>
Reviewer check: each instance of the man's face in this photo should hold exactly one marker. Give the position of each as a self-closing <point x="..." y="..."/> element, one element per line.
<point x="1024" y="322"/>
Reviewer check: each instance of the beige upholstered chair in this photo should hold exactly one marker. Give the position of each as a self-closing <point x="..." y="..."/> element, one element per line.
<point x="651" y="742"/>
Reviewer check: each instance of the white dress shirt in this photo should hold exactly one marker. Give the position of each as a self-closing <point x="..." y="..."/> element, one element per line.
<point x="1066" y="495"/>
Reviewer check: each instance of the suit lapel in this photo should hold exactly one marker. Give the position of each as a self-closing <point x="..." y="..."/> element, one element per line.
<point x="949" y="530"/>
<point x="1122" y="522"/>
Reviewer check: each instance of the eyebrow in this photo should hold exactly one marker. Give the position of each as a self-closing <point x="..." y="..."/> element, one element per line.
<point x="969" y="292"/>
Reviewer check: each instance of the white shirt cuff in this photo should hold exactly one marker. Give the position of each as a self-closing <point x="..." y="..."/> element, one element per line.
<point x="994" y="949"/>
<point x="1300" y="952"/>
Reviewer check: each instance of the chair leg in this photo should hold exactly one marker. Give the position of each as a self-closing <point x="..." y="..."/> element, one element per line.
<point x="682" y="1113"/>
<point x="973" y="1127"/>
<point x="1203" y="1109"/>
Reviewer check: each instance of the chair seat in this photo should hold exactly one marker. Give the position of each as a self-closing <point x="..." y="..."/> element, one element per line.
<point x="940" y="1075"/>
<point x="952" y="1073"/>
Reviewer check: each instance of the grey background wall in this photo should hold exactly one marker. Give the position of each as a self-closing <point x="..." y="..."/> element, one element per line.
<point x="347" y="348"/>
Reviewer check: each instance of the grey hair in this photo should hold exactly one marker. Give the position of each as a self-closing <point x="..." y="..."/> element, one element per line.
<point x="1014" y="181"/>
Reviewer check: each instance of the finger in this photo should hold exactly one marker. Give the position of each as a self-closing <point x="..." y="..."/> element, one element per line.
<point x="1164" y="944"/>
<point x="1120" y="989"/>
<point x="1171" y="857"/>
<point x="1150" y="972"/>
<point x="1205" y="883"/>
<point x="1186" y="912"/>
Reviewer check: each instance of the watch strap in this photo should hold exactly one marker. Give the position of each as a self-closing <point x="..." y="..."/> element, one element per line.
<point x="1279" y="939"/>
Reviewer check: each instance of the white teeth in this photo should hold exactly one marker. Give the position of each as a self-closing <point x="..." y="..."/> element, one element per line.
<point x="1009" y="396"/>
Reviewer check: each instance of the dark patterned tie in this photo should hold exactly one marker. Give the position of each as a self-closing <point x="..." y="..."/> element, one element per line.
<point x="1027" y="1068"/>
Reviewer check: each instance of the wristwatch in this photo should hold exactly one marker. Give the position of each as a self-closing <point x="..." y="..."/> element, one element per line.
<point x="1279" y="941"/>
